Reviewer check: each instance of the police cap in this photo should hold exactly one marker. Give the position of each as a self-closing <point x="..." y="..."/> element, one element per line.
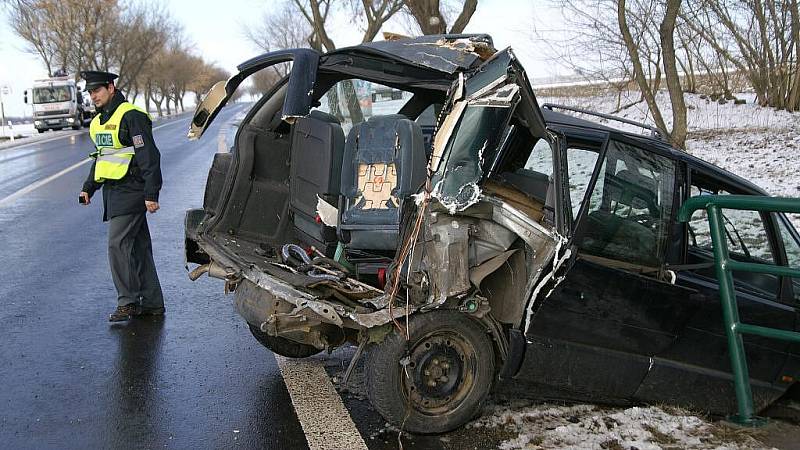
<point x="95" y="78"/>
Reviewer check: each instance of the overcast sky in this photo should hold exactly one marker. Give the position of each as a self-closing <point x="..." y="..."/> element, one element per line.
<point x="216" y="33"/>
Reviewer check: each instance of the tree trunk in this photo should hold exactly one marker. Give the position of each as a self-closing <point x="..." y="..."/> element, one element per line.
<point x="147" y="101"/>
<point x="641" y="79"/>
<point x="667" y="32"/>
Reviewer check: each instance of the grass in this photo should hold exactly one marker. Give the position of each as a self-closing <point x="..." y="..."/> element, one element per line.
<point x="659" y="437"/>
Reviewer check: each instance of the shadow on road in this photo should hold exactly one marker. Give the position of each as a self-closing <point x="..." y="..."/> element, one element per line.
<point x="134" y="391"/>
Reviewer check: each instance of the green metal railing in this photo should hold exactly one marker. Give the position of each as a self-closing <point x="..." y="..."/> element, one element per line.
<point x="734" y="328"/>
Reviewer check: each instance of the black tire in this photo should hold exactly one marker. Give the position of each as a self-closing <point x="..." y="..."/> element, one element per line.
<point x="283" y="346"/>
<point x="41" y="130"/>
<point x="446" y="348"/>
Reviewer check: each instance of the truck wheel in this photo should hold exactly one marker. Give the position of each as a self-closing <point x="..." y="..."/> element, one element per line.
<point x="40" y="130"/>
<point x="283" y="346"/>
<point x="443" y="380"/>
<point x="78" y="123"/>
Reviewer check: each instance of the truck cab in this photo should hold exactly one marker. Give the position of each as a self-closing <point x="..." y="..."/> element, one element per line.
<point x="58" y="103"/>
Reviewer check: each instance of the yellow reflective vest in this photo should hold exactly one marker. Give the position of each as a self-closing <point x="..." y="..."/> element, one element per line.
<point x="113" y="159"/>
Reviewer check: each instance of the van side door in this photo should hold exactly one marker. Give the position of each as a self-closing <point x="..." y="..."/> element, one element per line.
<point x="616" y="307"/>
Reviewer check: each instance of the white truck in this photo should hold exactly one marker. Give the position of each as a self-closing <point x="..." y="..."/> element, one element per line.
<point x="59" y="103"/>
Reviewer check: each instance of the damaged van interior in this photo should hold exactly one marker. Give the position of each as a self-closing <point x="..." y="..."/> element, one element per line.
<point x="409" y="197"/>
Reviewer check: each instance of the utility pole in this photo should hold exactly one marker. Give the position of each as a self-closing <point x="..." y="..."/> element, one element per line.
<point x="5" y="90"/>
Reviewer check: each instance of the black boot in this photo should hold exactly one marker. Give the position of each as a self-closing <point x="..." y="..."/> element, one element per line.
<point x="123" y="313"/>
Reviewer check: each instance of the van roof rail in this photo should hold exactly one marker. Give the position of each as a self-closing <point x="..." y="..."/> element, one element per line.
<point x="655" y="132"/>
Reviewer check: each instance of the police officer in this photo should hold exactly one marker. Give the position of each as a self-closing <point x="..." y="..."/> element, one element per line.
<point x="127" y="166"/>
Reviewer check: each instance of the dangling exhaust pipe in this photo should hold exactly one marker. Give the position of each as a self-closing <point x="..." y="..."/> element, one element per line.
<point x="213" y="270"/>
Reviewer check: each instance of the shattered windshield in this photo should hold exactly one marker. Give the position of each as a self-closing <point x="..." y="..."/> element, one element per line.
<point x="477" y="133"/>
<point x="472" y="133"/>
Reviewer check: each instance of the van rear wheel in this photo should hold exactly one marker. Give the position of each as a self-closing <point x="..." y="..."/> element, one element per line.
<point x="283" y="346"/>
<point x="441" y="382"/>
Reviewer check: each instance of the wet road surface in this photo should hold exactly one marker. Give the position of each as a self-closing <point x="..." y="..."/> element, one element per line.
<point x="192" y="379"/>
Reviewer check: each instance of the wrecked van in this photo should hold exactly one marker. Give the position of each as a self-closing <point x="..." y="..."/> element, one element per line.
<point x="410" y="197"/>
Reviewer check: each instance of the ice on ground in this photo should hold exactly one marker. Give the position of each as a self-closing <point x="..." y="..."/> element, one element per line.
<point x="548" y="426"/>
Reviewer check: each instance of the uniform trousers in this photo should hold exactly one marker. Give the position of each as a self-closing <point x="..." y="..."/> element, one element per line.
<point x="130" y="255"/>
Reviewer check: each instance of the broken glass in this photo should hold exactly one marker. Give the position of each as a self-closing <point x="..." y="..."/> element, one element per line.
<point x="475" y="139"/>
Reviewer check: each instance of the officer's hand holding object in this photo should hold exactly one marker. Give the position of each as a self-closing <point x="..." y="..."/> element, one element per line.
<point x="85" y="198"/>
<point x="151" y="206"/>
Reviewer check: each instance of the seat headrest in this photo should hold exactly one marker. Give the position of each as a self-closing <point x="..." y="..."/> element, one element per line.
<point x="636" y="179"/>
<point x="323" y="116"/>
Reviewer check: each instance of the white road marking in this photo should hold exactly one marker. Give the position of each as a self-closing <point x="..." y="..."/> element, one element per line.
<point x="326" y="422"/>
<point x="40" y="183"/>
<point x="65" y="135"/>
<point x="166" y="124"/>
<point x="43" y="141"/>
<point x="37" y="184"/>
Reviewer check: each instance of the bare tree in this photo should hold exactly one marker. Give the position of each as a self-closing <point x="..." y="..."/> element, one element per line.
<point x="590" y="44"/>
<point x="204" y="78"/>
<point x="262" y="82"/>
<point x="432" y="15"/>
<point x="765" y="36"/>
<point x="667" y="32"/>
<point x="80" y="35"/>
<point x="677" y="133"/>
<point x="280" y="29"/>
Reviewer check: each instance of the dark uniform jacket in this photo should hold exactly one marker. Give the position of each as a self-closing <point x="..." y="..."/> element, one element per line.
<point x="143" y="180"/>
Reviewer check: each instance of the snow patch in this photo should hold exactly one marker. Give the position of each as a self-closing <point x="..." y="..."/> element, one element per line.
<point x="548" y="426"/>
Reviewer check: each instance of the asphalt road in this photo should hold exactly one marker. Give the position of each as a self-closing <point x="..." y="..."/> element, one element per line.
<point x="193" y="379"/>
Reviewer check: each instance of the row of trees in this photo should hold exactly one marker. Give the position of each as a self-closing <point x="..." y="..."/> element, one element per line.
<point x="690" y="44"/>
<point x="138" y="40"/>
<point x="307" y="23"/>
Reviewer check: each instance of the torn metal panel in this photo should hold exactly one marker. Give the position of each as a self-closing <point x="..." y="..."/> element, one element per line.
<point x="328" y="213"/>
<point x="490" y="74"/>
<point x="381" y="317"/>
<point x="532" y="233"/>
<point x="506" y="288"/>
<point x="445" y="53"/>
<point x="502" y="97"/>
<point x="477" y="274"/>
<point x="444" y="133"/>
<point x="487" y="240"/>
<point x="557" y="263"/>
<point x="446" y="253"/>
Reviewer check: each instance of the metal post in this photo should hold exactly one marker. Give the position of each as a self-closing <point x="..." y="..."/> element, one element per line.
<point x="2" y="111"/>
<point x="724" y="267"/>
<point x="730" y="314"/>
